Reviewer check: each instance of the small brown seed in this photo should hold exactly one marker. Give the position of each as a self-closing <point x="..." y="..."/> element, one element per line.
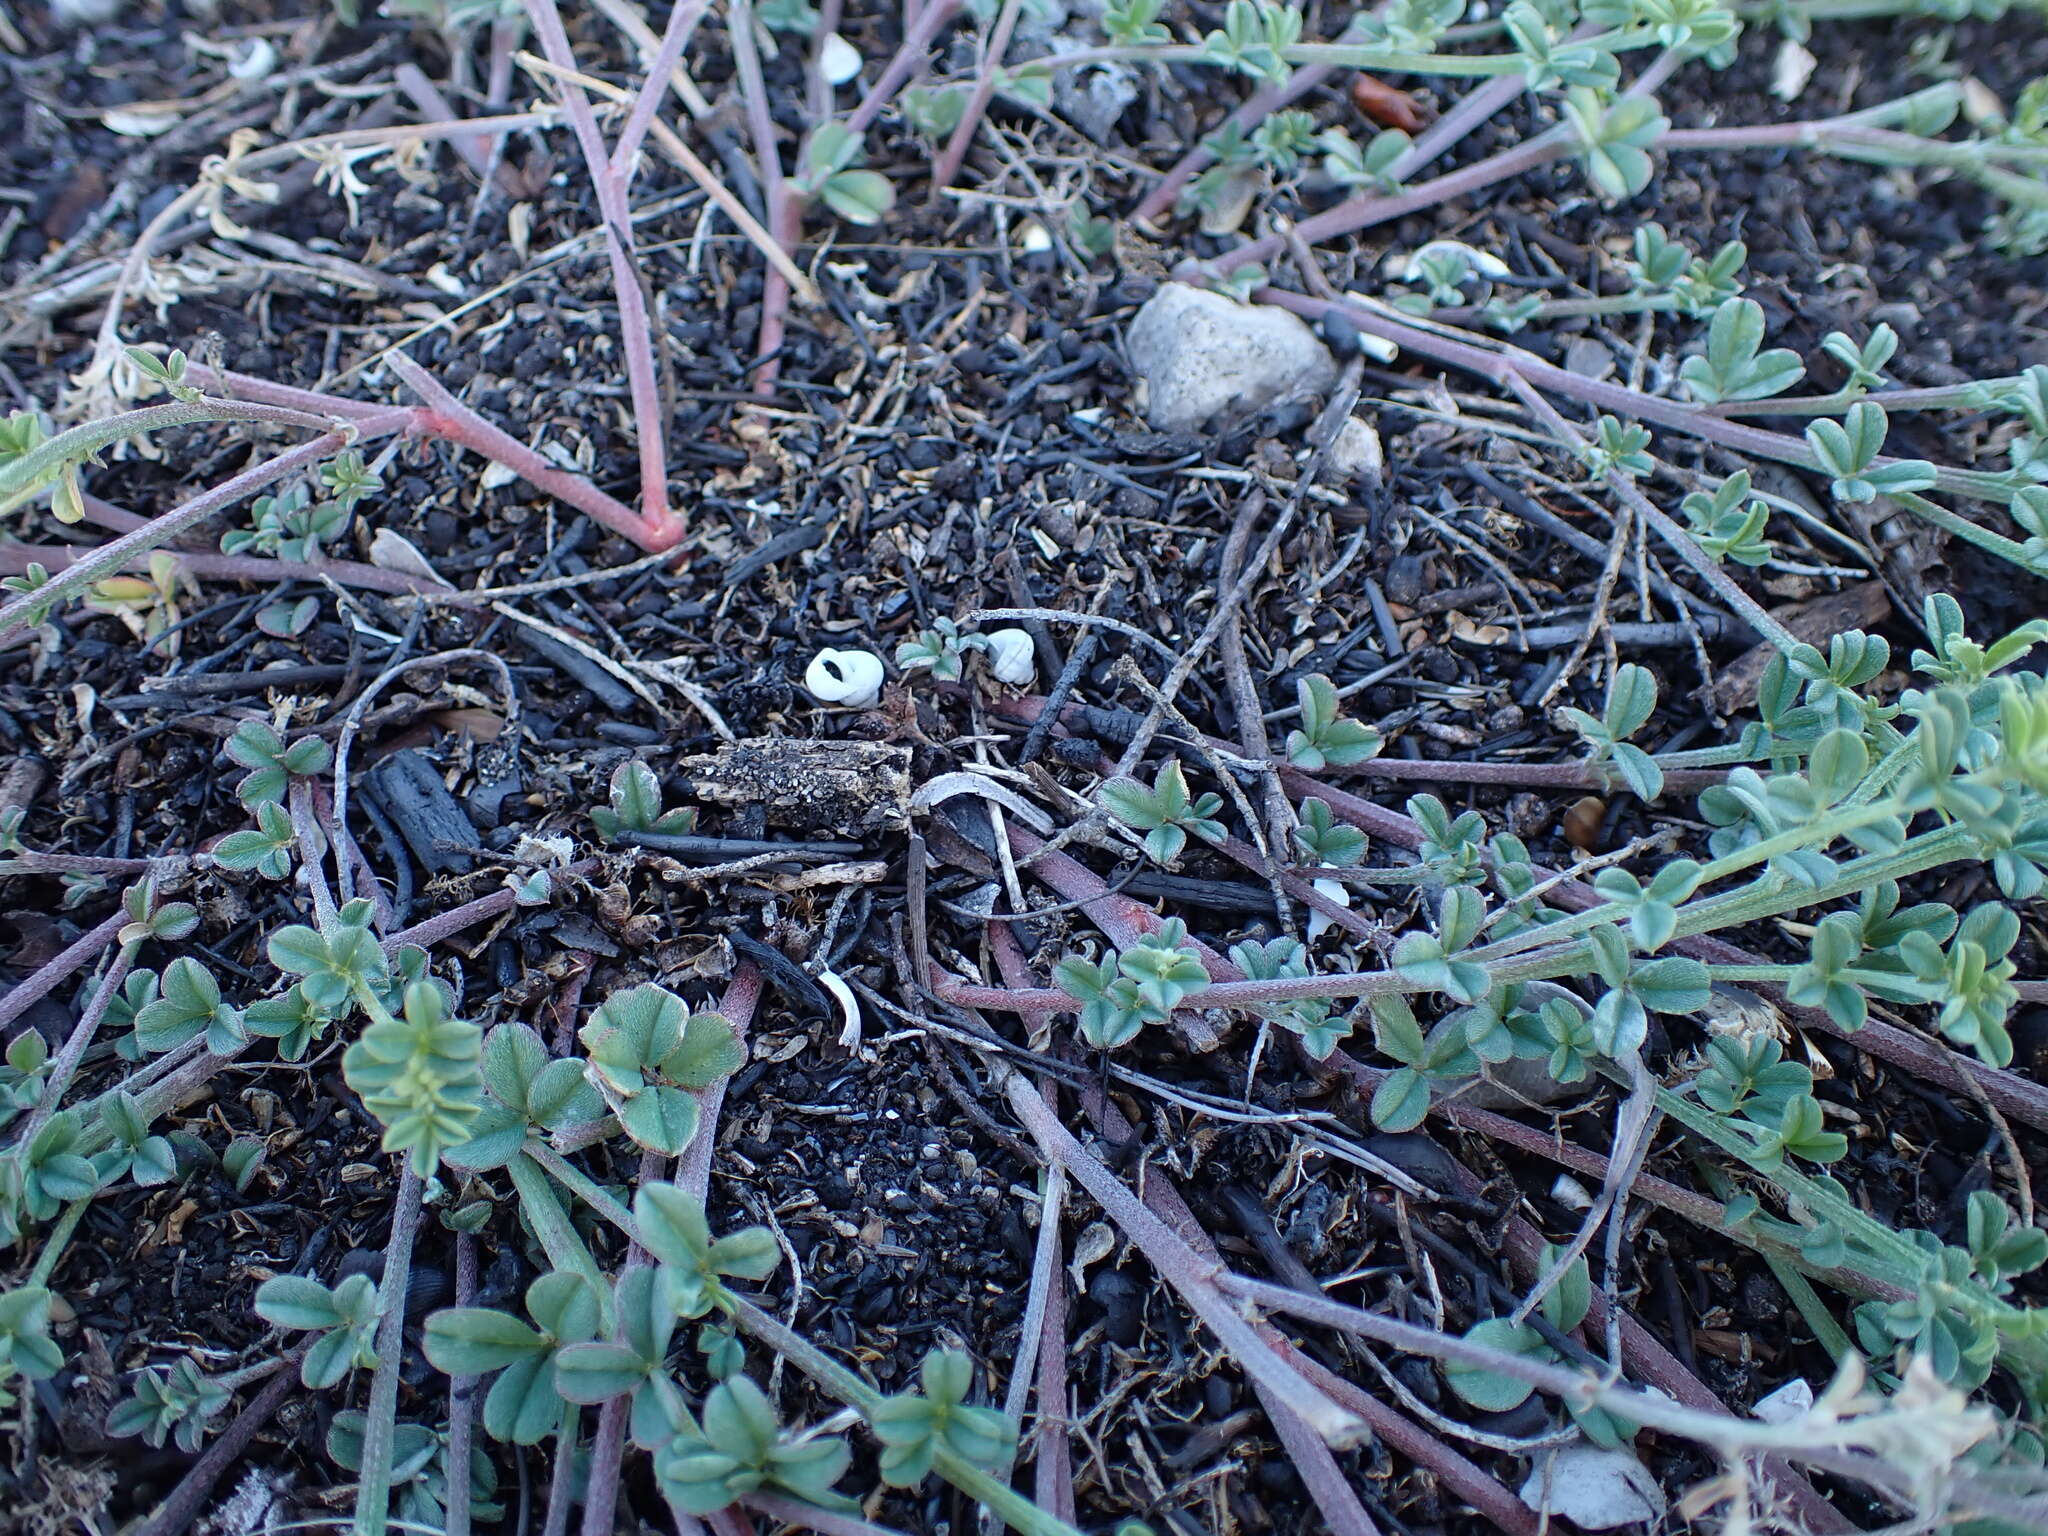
<point x="1581" y="823"/>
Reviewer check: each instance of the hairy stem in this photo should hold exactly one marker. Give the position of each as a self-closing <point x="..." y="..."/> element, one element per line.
<point x="380" y="1423"/>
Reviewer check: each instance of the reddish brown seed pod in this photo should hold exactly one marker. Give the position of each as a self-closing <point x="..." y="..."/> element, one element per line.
<point x="1384" y="104"/>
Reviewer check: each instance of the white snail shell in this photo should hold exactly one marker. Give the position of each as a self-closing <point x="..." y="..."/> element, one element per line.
<point x="1011" y="658"/>
<point x="838" y="60"/>
<point x="1337" y="892"/>
<point x="852" y="678"/>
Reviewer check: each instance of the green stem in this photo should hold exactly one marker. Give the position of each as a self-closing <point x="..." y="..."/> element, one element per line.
<point x="579" y="1184"/>
<point x="1832" y="1336"/>
<point x="1019" y="1512"/>
<point x="105" y="559"/>
<point x="33" y="469"/>
<point x="57" y="1240"/>
<point x="380" y="1423"/>
<point x="835" y="1378"/>
<point x="558" y="1236"/>
<point x="1963" y="528"/>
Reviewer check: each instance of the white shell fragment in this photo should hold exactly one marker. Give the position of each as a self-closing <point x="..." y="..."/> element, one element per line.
<point x="1338" y="893"/>
<point x="1794" y="1400"/>
<point x="1011" y="658"/>
<point x="852" y="678"/>
<point x="849" y="1008"/>
<point x="1594" y="1489"/>
<point x="838" y="59"/>
<point x="1485" y="263"/>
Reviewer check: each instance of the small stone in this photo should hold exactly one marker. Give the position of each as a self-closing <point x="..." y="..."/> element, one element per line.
<point x="1201" y="354"/>
<point x="1355" y="452"/>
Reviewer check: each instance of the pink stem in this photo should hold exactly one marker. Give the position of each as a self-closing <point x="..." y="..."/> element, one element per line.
<point x="1506" y="363"/>
<point x="657" y="522"/>
<point x="1256" y="109"/>
<point x="107" y="558"/>
<point x="37" y="985"/>
<point x="450" y="418"/>
<point x="2020" y="1097"/>
<point x="446" y="924"/>
<point x="1659" y="1368"/>
<point x="426" y="97"/>
<point x="1123" y="920"/>
<point x="608" y="1447"/>
<point x="1319" y="1474"/>
<point x="461" y="1395"/>
<point x="243" y="386"/>
<point x="742" y="996"/>
<point x="188" y="1500"/>
<point x="1188" y="1272"/>
<point x="16" y="558"/>
<point x="1042" y="1341"/>
<point x="782" y="203"/>
<point x="931" y="19"/>
<point x="977" y="104"/>
<point x="682" y="21"/>
<point x="75" y="1044"/>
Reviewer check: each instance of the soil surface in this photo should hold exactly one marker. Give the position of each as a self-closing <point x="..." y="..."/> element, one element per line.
<point x="954" y="429"/>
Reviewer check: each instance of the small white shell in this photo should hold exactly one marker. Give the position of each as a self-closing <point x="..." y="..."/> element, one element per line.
<point x="838" y="59"/>
<point x="1337" y="892"/>
<point x="1485" y="263"/>
<point x="1011" y="658"/>
<point x="852" y="678"/>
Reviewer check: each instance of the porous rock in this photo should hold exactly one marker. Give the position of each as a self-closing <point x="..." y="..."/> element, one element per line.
<point x="1203" y="355"/>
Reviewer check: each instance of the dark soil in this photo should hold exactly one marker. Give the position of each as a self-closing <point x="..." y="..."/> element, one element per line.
<point x="955" y="430"/>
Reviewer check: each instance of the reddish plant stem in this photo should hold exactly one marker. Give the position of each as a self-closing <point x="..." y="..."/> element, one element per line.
<point x="1123" y="920"/>
<point x="431" y="105"/>
<point x="1534" y="775"/>
<point x="1658" y="1367"/>
<point x="783" y="205"/>
<point x="977" y="104"/>
<point x="449" y="418"/>
<point x="932" y="18"/>
<point x="1042" y="1339"/>
<point x="1478" y="105"/>
<point x="244" y="386"/>
<point x="1362" y="213"/>
<point x="431" y="931"/>
<point x="461" y="1396"/>
<point x="683" y="17"/>
<point x="659" y="527"/>
<point x="105" y="559"/>
<point x="1247" y="857"/>
<point x="15" y="559"/>
<point x="608" y="1450"/>
<point x="1182" y="1268"/>
<point x="1256" y="109"/>
<point x="35" y="986"/>
<point x="1502" y="364"/>
<point x="742" y="996"/>
<point x="1470" y="1482"/>
<point x="2011" y="1094"/>
<point x="189" y="1499"/>
<point x="1052" y="1474"/>
<point x="76" y="1042"/>
<point x="30" y="862"/>
<point x="1325" y="1480"/>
